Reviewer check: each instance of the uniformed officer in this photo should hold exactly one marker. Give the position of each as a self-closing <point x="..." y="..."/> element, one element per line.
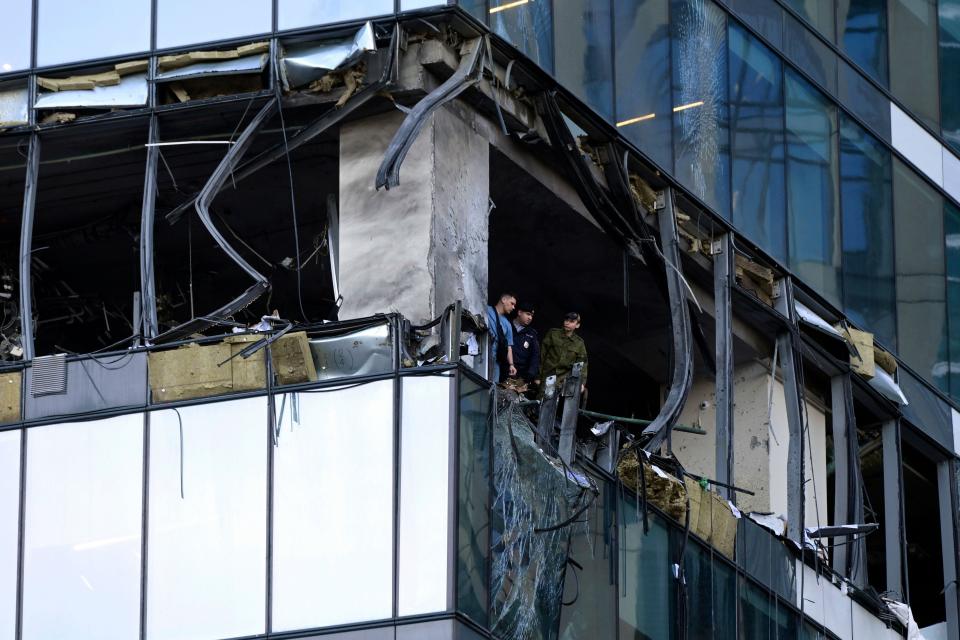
<point x="561" y="349"/>
<point x="526" y="343"/>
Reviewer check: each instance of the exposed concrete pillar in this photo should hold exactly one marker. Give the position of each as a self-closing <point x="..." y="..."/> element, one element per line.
<point x="422" y="245"/>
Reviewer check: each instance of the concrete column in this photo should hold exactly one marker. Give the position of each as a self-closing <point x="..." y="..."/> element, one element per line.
<point x="423" y="244"/>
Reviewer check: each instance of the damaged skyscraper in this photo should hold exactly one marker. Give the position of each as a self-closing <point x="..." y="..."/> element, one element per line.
<point x="245" y="252"/>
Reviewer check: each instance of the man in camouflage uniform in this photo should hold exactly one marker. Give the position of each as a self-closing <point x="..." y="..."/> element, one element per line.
<point x="561" y="349"/>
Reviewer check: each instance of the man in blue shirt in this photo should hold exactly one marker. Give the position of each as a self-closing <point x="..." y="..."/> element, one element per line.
<point x="501" y="335"/>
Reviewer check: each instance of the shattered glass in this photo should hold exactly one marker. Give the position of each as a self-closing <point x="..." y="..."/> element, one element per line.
<point x="700" y="112"/>
<point x="534" y="506"/>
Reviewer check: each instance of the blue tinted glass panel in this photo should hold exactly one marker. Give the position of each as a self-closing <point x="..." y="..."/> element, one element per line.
<point x="181" y="22"/>
<point x="474" y="501"/>
<point x="528" y="26"/>
<point x="913" y="57"/>
<point x="711" y="593"/>
<point x="921" y="285"/>
<point x="585" y="60"/>
<point x="952" y="228"/>
<point x="810" y="54"/>
<point x="478" y="8"/>
<point x="642" y="46"/>
<point x="819" y="13"/>
<point x="647" y="597"/>
<point x="756" y="143"/>
<point x="700" y="119"/>
<point x="863" y="26"/>
<point x="869" y="294"/>
<point x="864" y="100"/>
<point x="812" y="194"/>
<point x="764" y="16"/>
<point x="950" y="70"/>
<point x="72" y="31"/>
<point x="15" y="35"/>
<point x="757" y="613"/>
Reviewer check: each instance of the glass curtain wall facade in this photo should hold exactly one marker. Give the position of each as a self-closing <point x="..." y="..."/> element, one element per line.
<point x="786" y="134"/>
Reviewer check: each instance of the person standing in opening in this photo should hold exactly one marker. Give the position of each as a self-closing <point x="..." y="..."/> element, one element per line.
<point x="526" y="344"/>
<point x="501" y="335"/>
<point x="561" y="349"/>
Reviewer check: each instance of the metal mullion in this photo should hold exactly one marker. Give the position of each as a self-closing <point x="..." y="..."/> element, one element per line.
<point x="397" y="388"/>
<point x="145" y="525"/>
<point x="26" y="247"/>
<point x="148" y="316"/>
<point x="21" y="531"/>
<point x="271" y="425"/>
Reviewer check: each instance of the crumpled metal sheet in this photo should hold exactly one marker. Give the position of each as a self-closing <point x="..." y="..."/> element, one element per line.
<point x="130" y="92"/>
<point x="358" y="353"/>
<point x="238" y="66"/>
<point x="529" y="552"/>
<point x="887" y="386"/>
<point x="302" y="65"/>
<point x="806" y="314"/>
<point x="13" y="107"/>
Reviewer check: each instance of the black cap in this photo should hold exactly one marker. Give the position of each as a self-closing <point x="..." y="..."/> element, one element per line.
<point x="572" y="315"/>
<point x="525" y="305"/>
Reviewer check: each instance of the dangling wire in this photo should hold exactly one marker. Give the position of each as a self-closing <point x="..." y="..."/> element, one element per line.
<point x="293" y="204"/>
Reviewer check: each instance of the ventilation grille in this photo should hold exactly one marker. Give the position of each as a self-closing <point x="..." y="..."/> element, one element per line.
<point x="49" y="375"/>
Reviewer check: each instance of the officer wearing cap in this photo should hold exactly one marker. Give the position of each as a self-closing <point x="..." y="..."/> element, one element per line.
<point x="526" y="343"/>
<point x="561" y="349"/>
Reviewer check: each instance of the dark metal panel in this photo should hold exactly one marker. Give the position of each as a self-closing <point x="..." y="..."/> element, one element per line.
<point x="926" y="411"/>
<point x="945" y="484"/>
<point x="894" y="540"/>
<point x="26" y="247"/>
<point x="723" y="282"/>
<point x="92" y="385"/>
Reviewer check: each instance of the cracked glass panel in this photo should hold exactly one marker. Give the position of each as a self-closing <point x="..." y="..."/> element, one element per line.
<point x="756" y="143"/>
<point x="9" y="530"/>
<point x="333" y="463"/>
<point x="585" y="61"/>
<point x="181" y="22"/>
<point x="526" y="25"/>
<point x="700" y="118"/>
<point x="15" y="34"/>
<point x="869" y="295"/>
<point x="306" y="13"/>
<point x="642" y="49"/>
<point x="474" y="500"/>
<point x="812" y="193"/>
<point x="82" y="540"/>
<point x="73" y="31"/>
<point x="207" y="527"/>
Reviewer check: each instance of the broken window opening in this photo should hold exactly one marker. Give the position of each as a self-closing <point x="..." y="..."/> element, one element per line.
<point x="84" y="254"/>
<point x="97" y="91"/>
<point x="199" y="75"/>
<point x="254" y="216"/>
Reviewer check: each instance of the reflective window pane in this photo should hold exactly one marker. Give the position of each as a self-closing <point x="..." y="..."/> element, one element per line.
<point x="864" y="100"/>
<point x="701" y="140"/>
<point x="333" y="464"/>
<point x="474" y="500"/>
<point x="863" y="26"/>
<point x="306" y="13"/>
<point x="528" y="26"/>
<point x="425" y="466"/>
<point x="82" y="539"/>
<point x="819" y="13"/>
<point x="764" y="16"/>
<point x="952" y="229"/>
<point x="711" y="592"/>
<point x="206" y="569"/>
<point x="949" y="71"/>
<point x="866" y="193"/>
<point x="642" y="47"/>
<point x="181" y="22"/>
<point x="913" y="57"/>
<point x="15" y="34"/>
<point x="585" y="61"/>
<point x="810" y="54"/>
<point x="72" y="31"/>
<point x="812" y="194"/>
<point x="647" y="597"/>
<point x="921" y="308"/>
<point x="9" y="530"/>
<point x="756" y="143"/>
<point x="592" y="587"/>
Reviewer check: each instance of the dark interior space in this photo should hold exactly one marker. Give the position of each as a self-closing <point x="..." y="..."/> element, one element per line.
<point x="255" y="215"/>
<point x="13" y="152"/>
<point x="924" y="551"/>
<point x="870" y="441"/>
<point x="546" y="252"/>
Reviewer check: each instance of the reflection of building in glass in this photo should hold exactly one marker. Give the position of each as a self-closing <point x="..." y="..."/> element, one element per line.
<point x="246" y="250"/>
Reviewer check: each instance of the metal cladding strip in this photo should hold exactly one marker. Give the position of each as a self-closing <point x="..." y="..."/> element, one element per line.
<point x="26" y="247"/>
<point x="466" y="75"/>
<point x="680" y="355"/>
<point x="309" y="132"/>
<point x="148" y="294"/>
<point x="723" y="282"/>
